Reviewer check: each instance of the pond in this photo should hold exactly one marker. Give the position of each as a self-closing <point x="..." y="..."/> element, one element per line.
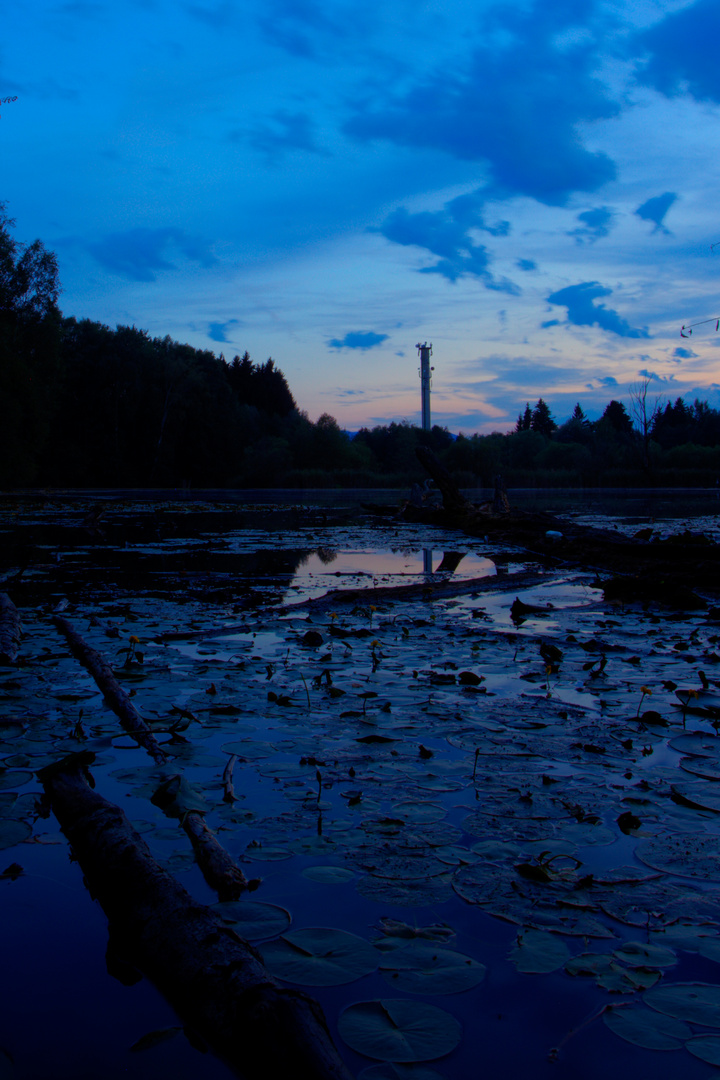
<point x="502" y="785"/>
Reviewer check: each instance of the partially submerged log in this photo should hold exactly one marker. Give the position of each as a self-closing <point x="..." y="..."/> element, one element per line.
<point x="214" y="980"/>
<point x="117" y="699"/>
<point x="10" y="630"/>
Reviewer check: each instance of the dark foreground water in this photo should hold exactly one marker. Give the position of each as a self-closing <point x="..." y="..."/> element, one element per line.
<point x="470" y="825"/>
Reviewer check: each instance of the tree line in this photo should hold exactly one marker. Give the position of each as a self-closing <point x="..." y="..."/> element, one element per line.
<point x="84" y="405"/>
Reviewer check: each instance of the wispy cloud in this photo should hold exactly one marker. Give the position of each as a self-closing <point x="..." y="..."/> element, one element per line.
<point x="448" y="234"/>
<point x="582" y="311"/>
<point x="358" y="339"/>
<point x="218" y="331"/>
<point x="594" y="224"/>
<point x="139" y="254"/>
<point x="655" y="210"/>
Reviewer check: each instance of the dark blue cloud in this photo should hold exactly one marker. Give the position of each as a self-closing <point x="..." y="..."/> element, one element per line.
<point x="447" y="233"/>
<point x="304" y="28"/>
<point x="526" y="264"/>
<point x="681" y="52"/>
<point x="582" y="311"/>
<point x="656" y="208"/>
<point x="285" y="131"/>
<point x="219" y="331"/>
<point x="680" y="354"/>
<point x="594" y="224"/>
<point x="139" y="253"/>
<point x="358" y="339"/>
<point x="652" y="376"/>
<point x="515" y="105"/>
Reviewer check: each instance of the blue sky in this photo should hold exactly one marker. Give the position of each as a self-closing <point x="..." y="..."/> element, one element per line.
<point x="531" y="186"/>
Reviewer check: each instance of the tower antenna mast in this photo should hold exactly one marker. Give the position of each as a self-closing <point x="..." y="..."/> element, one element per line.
<point x="425" y="351"/>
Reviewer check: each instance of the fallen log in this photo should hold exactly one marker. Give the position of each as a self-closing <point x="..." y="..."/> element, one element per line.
<point x="117" y="699"/>
<point x="213" y="979"/>
<point x="10" y="630"/>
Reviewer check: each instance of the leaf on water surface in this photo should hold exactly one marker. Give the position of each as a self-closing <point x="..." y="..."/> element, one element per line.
<point x="419" y="812"/>
<point x="13" y="832"/>
<point x="686" y="854"/>
<point x="260" y="853"/>
<point x="638" y="954"/>
<point x="694" y="1002"/>
<point x="705" y="1047"/>
<point x="406" y="893"/>
<point x="154" y="1038"/>
<point x="328" y="875"/>
<point x="393" y="1071"/>
<point x="538" y="952"/>
<point x="422" y="968"/>
<point x="320" y="956"/>
<point x="14" y="778"/>
<point x="252" y="920"/>
<point x="398" y="1030"/>
<point x="177" y="796"/>
<point x="645" y="1028"/>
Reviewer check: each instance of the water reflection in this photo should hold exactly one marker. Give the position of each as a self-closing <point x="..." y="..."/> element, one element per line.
<point x="330" y="568"/>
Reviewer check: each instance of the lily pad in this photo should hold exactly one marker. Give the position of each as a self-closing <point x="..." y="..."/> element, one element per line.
<point x="252" y="920"/>
<point x="421" y="968"/>
<point x="13" y="832"/>
<point x="695" y="1002"/>
<point x="687" y="854"/>
<point x="320" y="956"/>
<point x="537" y="951"/>
<point x="392" y="1071"/>
<point x="328" y="875"/>
<point x="705" y="1047"/>
<point x="393" y="1029"/>
<point x="645" y="1028"/>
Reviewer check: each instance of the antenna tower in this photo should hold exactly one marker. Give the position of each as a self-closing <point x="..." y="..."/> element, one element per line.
<point x="425" y="380"/>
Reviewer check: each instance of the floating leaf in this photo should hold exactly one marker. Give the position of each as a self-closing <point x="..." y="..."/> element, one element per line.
<point x="705" y="1047"/>
<point x="252" y="920"/>
<point x="695" y="1002"/>
<point x="645" y="1028"/>
<point x="687" y="854"/>
<point x="537" y="951"/>
<point x="637" y="954"/>
<point x="421" y="968"/>
<point x="320" y="956"/>
<point x="14" y="778"/>
<point x="393" y="1029"/>
<point x="13" y="832"/>
<point x="328" y="875"/>
<point x="392" y="1071"/>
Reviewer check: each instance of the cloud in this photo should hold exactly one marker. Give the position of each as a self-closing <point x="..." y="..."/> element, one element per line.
<point x="581" y="311"/>
<point x="448" y="234"/>
<point x="603" y="381"/>
<point x="526" y="264"/>
<point x="681" y="52"/>
<point x="304" y="28"/>
<point x="652" y="376"/>
<point x="594" y="225"/>
<point x="285" y="131"/>
<point x="218" y="331"/>
<point x="139" y="253"/>
<point x="358" y="339"/>
<point x="515" y="105"/>
<point x="680" y="354"/>
<point x="655" y="210"/>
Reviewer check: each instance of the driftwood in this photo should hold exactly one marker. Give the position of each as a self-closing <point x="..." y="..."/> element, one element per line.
<point x="218" y="867"/>
<point x="453" y="500"/>
<point x="117" y="699"/>
<point x="214" y="980"/>
<point x="10" y="630"/>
